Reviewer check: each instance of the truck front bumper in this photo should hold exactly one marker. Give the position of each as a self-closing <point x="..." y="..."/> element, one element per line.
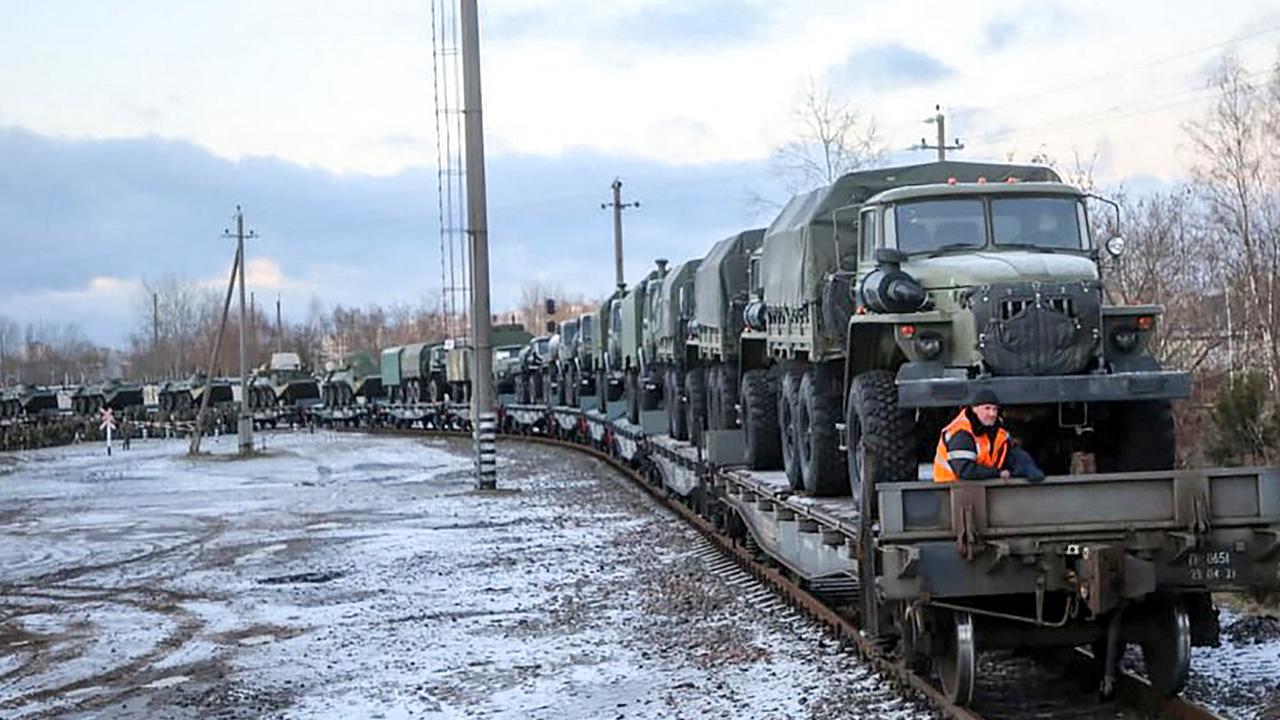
<point x="926" y="385"/>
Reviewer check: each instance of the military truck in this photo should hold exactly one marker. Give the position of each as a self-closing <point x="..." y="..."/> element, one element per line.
<point x="529" y="380"/>
<point x="355" y="377"/>
<point x="560" y="378"/>
<point x="914" y="288"/>
<point x="392" y="383"/>
<point x="507" y="340"/>
<point x="605" y="350"/>
<point x="721" y="293"/>
<point x="584" y="357"/>
<point x="972" y="286"/>
<point x="642" y="385"/>
<point x="673" y="308"/>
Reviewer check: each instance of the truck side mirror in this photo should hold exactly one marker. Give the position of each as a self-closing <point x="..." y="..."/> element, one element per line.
<point x="551" y="306"/>
<point x="890" y="256"/>
<point x="551" y="327"/>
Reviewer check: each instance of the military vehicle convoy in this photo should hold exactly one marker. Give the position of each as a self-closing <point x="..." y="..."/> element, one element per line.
<point x="671" y="310"/>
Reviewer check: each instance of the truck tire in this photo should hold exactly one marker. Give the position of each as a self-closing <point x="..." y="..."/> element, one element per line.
<point x="760" y="419"/>
<point x="632" y="391"/>
<point x="678" y="423"/>
<point x="1141" y="437"/>
<point x="695" y="385"/>
<point x="822" y="468"/>
<point x="712" y="377"/>
<point x="729" y="397"/>
<point x="788" y="428"/>
<point x="880" y="435"/>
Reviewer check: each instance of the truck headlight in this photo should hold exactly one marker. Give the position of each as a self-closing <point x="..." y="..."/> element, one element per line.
<point x="929" y="345"/>
<point x="1125" y="339"/>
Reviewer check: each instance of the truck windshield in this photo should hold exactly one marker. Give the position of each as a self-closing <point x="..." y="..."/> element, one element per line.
<point x="1041" y="222"/>
<point x="929" y="225"/>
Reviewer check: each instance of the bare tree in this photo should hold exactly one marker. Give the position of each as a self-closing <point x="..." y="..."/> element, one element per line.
<point x="1236" y="178"/>
<point x="833" y="138"/>
<point x="9" y="334"/>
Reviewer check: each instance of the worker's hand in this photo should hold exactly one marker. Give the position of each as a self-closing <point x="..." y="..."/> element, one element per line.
<point x="1005" y="475"/>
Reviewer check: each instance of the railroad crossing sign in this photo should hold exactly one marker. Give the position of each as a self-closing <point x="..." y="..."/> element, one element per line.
<point x="108" y="424"/>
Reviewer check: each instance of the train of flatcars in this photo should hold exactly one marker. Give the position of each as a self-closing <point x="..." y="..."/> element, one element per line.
<point x="792" y="384"/>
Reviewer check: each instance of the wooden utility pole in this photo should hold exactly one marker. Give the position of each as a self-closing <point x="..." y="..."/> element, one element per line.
<point x="245" y="425"/>
<point x="213" y="359"/>
<point x="942" y="147"/>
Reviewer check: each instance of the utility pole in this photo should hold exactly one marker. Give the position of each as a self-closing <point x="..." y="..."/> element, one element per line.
<point x="155" y="331"/>
<point x="618" y="206"/>
<point x="279" y="327"/>
<point x="245" y="425"/>
<point x="484" y="418"/>
<point x="942" y="147"/>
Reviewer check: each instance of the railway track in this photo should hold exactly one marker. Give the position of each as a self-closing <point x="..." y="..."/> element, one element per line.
<point x="1003" y="689"/>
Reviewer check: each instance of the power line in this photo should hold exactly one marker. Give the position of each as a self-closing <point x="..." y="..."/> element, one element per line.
<point x="1112" y="74"/>
<point x="1132" y="108"/>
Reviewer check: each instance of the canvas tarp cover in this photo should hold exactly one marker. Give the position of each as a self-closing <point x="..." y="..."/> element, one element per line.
<point x="669" y="305"/>
<point x="391" y="366"/>
<point x="413" y="360"/>
<point x="722" y="278"/>
<point x="800" y="248"/>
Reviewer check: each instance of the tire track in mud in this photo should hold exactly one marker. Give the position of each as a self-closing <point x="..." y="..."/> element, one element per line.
<point x="54" y="594"/>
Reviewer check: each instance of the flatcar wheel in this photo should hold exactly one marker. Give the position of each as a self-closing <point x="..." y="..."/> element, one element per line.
<point x="956" y="658"/>
<point x="1166" y="647"/>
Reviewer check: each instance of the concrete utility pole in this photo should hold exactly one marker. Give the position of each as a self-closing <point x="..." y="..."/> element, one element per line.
<point x="484" y="419"/>
<point x="279" y="327"/>
<point x="618" y="206"/>
<point x="942" y="147"/>
<point x="245" y="425"/>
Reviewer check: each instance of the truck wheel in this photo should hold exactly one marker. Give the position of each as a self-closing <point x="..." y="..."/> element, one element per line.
<point x="712" y="378"/>
<point x="676" y="405"/>
<point x="760" y="419"/>
<point x="788" y="405"/>
<point x="729" y="397"/>
<point x="695" y="385"/>
<point x="633" y="398"/>
<point x="1142" y="438"/>
<point x="880" y="435"/>
<point x="821" y="466"/>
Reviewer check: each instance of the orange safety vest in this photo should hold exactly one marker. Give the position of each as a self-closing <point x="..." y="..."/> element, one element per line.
<point x="991" y="453"/>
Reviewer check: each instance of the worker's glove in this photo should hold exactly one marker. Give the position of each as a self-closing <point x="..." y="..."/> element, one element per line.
<point x="1035" y="477"/>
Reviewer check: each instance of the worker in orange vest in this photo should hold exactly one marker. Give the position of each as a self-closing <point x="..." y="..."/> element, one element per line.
<point x="976" y="446"/>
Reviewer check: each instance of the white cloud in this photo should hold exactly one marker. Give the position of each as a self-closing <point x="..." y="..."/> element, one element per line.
<point x="343" y="89"/>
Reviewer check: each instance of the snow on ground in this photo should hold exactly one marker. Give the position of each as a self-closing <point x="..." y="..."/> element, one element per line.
<point x="349" y="576"/>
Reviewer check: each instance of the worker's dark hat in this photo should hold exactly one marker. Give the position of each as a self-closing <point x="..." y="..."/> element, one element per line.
<point x="986" y="396"/>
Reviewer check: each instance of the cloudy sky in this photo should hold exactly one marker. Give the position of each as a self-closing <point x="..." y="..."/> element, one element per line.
<point x="129" y="130"/>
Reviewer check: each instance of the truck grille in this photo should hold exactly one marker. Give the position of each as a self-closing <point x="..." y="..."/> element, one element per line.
<point x="1013" y="307"/>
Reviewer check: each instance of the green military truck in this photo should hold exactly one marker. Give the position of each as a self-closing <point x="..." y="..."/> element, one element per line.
<point x="672" y="311"/>
<point x="895" y="295"/>
<point x="642" y="386"/>
<point x="721" y="292"/>
<point x="605" y="350"/>
<point x="507" y="340"/>
<point x="559" y="371"/>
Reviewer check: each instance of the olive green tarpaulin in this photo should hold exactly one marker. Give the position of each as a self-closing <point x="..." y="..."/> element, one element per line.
<point x="391" y="366"/>
<point x="414" y="362"/>
<point x="681" y="276"/>
<point x="800" y="247"/>
<point x="722" y="278"/>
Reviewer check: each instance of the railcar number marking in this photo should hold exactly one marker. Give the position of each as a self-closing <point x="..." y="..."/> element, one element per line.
<point x="1211" y="566"/>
